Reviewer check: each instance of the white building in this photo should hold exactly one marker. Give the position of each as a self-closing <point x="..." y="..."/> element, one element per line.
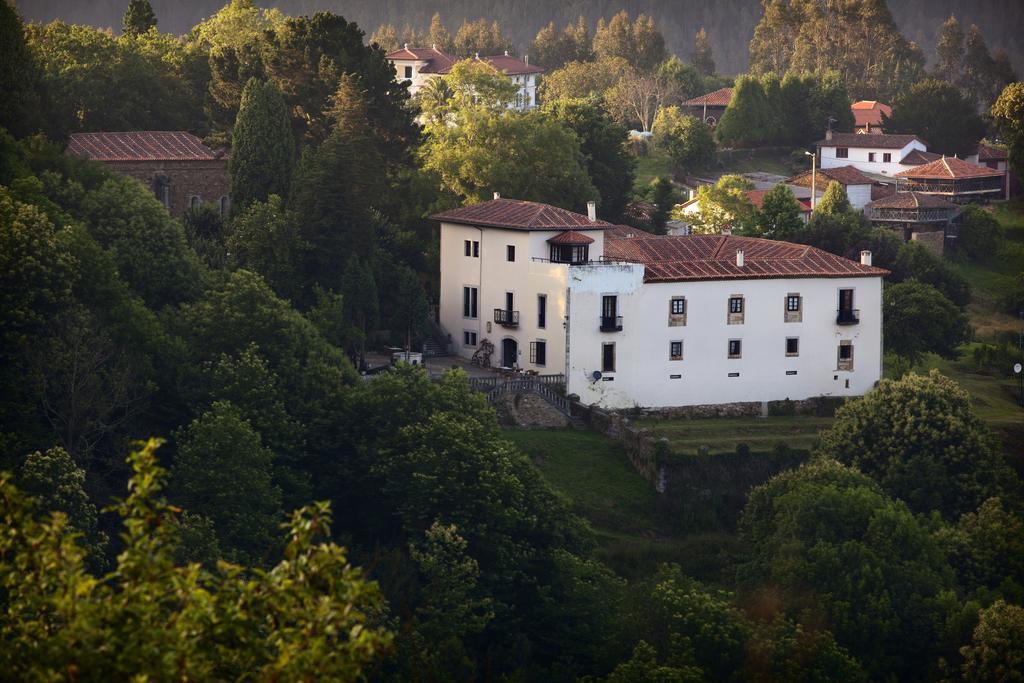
<point x="857" y="185"/>
<point x="420" y="65"/>
<point x="879" y="153"/>
<point x="634" y="319"/>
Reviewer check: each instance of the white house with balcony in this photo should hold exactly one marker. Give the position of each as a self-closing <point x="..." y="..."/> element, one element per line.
<point x="634" y="319"/>
<point x="419" y="65"/>
<point x="879" y="153"/>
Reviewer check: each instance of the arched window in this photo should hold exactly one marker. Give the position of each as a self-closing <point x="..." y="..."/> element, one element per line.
<point x="162" y="189"/>
<point x="193" y="202"/>
<point x="225" y="206"/>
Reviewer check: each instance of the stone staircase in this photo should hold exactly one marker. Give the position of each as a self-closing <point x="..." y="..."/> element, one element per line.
<point x="549" y="387"/>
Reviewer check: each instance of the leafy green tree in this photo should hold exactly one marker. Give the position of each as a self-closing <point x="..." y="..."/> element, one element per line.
<point x="1008" y="113"/>
<point x="264" y="239"/>
<point x="603" y="144"/>
<point x="262" y="149"/>
<point x="949" y="51"/>
<point x="784" y="650"/>
<point x="919" y="320"/>
<point x="478" y="38"/>
<point x="748" y="119"/>
<point x="723" y="205"/>
<point x="224" y="473"/>
<point x="636" y="96"/>
<point x="701" y="57"/>
<point x="637" y="41"/>
<point x="138" y="18"/>
<point x="980" y="79"/>
<point x="204" y="232"/>
<point x="810" y="103"/>
<point x="920" y="438"/>
<point x="644" y="666"/>
<point x="915" y="261"/>
<point x="687" y="140"/>
<point x="834" y="201"/>
<point x="409" y="314"/>
<point x="685" y="81"/>
<point x="832" y="547"/>
<point x="236" y="24"/>
<point x="580" y="80"/>
<point x="779" y="215"/>
<point x="980" y="235"/>
<point x="477" y="85"/>
<point x="439" y="35"/>
<point x="553" y="49"/>
<point x="662" y="193"/>
<point x="19" y="76"/>
<point x="361" y="305"/>
<point x="472" y="160"/>
<point x="936" y="111"/>
<point x="996" y="650"/>
<point x="305" y="618"/>
<point x="986" y="548"/>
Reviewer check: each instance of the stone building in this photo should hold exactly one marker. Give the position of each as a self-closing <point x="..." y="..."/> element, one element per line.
<point x="914" y="216"/>
<point x="182" y="172"/>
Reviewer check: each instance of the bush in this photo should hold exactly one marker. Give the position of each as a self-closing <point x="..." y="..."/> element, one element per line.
<point x="980" y="235"/>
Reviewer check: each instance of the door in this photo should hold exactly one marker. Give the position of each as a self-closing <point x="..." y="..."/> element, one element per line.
<point x="509" y="302"/>
<point x="509" y="353"/>
<point x="846" y="300"/>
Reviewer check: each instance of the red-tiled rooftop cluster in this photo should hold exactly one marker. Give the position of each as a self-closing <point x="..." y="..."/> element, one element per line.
<point x="141" y="146"/>
<point x="873" y="141"/>
<point x="869" y="111"/>
<point x="844" y="175"/>
<point x="713" y="257"/>
<point x="718" y="98"/>
<point x="911" y="200"/>
<point x="516" y="214"/>
<point x="437" y="61"/>
<point x="916" y="157"/>
<point x="949" y="167"/>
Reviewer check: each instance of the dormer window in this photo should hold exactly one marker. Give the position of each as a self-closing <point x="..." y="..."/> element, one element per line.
<point x="570" y="246"/>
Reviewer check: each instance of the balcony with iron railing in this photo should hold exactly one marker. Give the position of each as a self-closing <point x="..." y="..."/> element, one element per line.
<point x="611" y="323"/>
<point x="848" y="316"/>
<point x="506" y="318"/>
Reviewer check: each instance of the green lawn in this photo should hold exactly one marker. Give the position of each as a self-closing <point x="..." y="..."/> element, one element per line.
<point x="594" y="474"/>
<point x="722" y="435"/>
<point x="654" y="165"/>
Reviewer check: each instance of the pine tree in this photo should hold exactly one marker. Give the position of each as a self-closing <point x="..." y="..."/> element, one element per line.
<point x="263" y="149"/>
<point x="440" y="36"/>
<point x="138" y="18"/>
<point x="949" y="50"/>
<point x="701" y="57"/>
<point x="19" y="76"/>
<point x="978" y="67"/>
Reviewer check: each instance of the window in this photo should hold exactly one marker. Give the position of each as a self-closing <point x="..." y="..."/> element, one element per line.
<point x="570" y="253"/>
<point x="476" y="249"/>
<point x="408" y="72"/>
<point x="735" y="348"/>
<point x="887" y="157"/>
<point x="539" y="352"/>
<point x="792" y="346"/>
<point x="510" y="252"/>
<point x="675" y="350"/>
<point x="793" y="302"/>
<point x="678" y="306"/>
<point x="542" y="310"/>
<point x="842" y="153"/>
<point x="611" y="321"/>
<point x="845" y="356"/>
<point x="736" y="304"/>
<point x="471" y="248"/>
<point x="466" y="247"/>
<point x="193" y="202"/>
<point x="225" y="206"/>
<point x="608" y="357"/>
<point x="871" y="156"/>
<point x="469" y="338"/>
<point x="469" y="301"/>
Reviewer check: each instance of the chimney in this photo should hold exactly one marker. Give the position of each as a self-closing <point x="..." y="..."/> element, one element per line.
<point x="739" y="258"/>
<point x="405" y="45"/>
<point x="433" y="46"/>
<point x="497" y="195"/>
<point x="526" y="58"/>
<point x="592" y="211"/>
<point x="865" y="258"/>
<point x="828" y="133"/>
<point x="506" y="53"/>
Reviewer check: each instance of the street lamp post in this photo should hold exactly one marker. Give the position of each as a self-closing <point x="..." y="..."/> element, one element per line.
<point x="814" y="168"/>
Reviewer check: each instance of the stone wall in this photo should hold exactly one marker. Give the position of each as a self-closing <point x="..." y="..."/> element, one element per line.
<point x="934" y="241"/>
<point x="207" y="179"/>
<point x="529" y="411"/>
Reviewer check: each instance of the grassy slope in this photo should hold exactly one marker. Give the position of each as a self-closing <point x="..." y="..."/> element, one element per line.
<point x="595" y="475"/>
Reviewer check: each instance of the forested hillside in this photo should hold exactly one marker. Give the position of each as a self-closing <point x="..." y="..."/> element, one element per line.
<point x="729" y="23"/>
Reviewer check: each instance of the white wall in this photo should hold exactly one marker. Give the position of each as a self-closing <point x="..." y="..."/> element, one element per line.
<point x="418" y="79"/>
<point x="859" y="195"/>
<point x="858" y="158"/>
<point x="643" y="373"/>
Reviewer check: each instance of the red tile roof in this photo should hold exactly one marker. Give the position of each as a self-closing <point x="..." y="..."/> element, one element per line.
<point x="512" y="66"/>
<point x="869" y="111"/>
<point x="987" y="153"/>
<point x="718" y="98"/>
<point x="713" y="257"/>
<point x="516" y="214"/>
<point x="844" y="175"/>
<point x="437" y="61"/>
<point x="916" y="157"/>
<point x="571" y="237"/>
<point x="756" y="198"/>
<point x="141" y="146"/>
<point x="873" y="141"/>
<point x="949" y="167"/>
<point x="910" y="200"/>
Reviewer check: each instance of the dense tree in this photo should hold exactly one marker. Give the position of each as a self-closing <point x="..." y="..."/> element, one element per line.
<point x="664" y="196"/>
<point x="980" y="235"/>
<point x="684" y="80"/>
<point x="748" y="120"/>
<point x="779" y="215"/>
<point x="724" y="205"/>
<point x="811" y="103"/>
<point x="982" y="78"/>
<point x="579" y="80"/>
<point x="949" y="51"/>
<point x="831" y="546"/>
<point x="439" y="35"/>
<point x="687" y="140"/>
<point x="637" y="41"/>
<point x="138" y="18"/>
<point x="478" y="38"/>
<point x="262" y="149"/>
<point x="701" y="57"/>
<point x="603" y="145"/>
<point x="936" y="111"/>
<point x="915" y="261"/>
<point x="264" y="239"/>
<point x="996" y="650"/>
<point x="553" y="49"/>
<point x="360" y="304"/>
<point x="235" y="25"/>
<point x="637" y="96"/>
<point x="19" y="76"/>
<point x="834" y="201"/>
<point x="306" y="617"/>
<point x="1008" y="113"/>
<point x="920" y="438"/>
<point x="919" y="320"/>
<point x="986" y="548"/>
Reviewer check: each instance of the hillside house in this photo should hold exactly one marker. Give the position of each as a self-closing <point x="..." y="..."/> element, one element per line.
<point x="914" y="216"/>
<point x="867" y="116"/>
<point x="997" y="159"/>
<point x="956" y="180"/>
<point x="634" y="319"/>
<point x="182" y="171"/>
<point x="710" y="107"/>
<point x="420" y="65"/>
<point x="879" y="153"/>
<point x="857" y="185"/>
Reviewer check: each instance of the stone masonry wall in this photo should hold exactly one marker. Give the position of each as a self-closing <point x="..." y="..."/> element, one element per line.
<point x="934" y="241"/>
<point x="207" y="179"/>
<point x="530" y="411"/>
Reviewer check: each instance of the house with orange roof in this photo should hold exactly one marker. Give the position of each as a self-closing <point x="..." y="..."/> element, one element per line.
<point x="878" y="153"/>
<point x="628" y="319"/>
<point x="954" y="179"/>
<point x="710" y="107"/>
<point x="867" y="116"/>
